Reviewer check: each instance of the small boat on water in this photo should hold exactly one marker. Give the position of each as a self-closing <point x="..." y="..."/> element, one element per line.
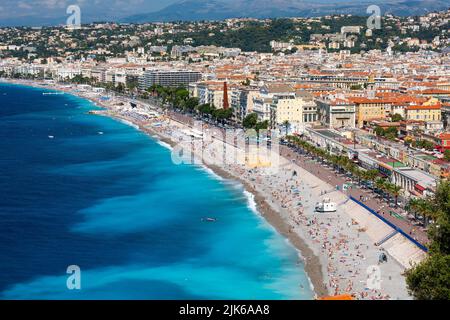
<point x="52" y="93"/>
<point x="207" y="219"/>
<point x="51" y="137"/>
<point x="325" y="206"/>
<point x="100" y="132"/>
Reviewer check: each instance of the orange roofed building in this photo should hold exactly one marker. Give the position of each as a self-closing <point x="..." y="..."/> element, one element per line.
<point x="444" y="141"/>
<point x="369" y="109"/>
<point x="424" y="112"/>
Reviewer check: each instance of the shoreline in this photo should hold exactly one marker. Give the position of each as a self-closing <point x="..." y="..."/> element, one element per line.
<point x="319" y="260"/>
<point x="312" y="265"/>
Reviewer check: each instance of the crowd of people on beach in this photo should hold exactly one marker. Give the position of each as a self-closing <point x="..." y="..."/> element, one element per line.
<point x="292" y="192"/>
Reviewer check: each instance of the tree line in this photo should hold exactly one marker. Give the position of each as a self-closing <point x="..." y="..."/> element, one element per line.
<point x="178" y="98"/>
<point x="430" y="280"/>
<point x="344" y="164"/>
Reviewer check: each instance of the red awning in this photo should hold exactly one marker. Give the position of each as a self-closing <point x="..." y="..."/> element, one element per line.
<point x="420" y="188"/>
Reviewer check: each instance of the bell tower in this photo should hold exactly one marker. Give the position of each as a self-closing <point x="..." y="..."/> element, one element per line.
<point x="226" y="104"/>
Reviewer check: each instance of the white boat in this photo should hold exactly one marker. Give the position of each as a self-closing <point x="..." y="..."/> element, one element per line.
<point x="326" y="206"/>
<point x="52" y="93"/>
<point x="51" y="137"/>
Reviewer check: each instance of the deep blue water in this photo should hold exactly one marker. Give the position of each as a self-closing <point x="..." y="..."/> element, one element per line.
<point x="116" y="206"/>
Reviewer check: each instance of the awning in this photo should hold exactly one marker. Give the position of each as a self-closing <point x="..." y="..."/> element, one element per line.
<point x="420" y="188"/>
<point x="384" y="166"/>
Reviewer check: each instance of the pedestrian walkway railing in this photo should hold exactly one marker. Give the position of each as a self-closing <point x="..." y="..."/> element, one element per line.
<point x="406" y="235"/>
<point x="344" y="202"/>
<point x="389" y="236"/>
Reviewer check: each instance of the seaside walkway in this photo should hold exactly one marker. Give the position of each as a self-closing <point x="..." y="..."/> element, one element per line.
<point x="395" y="242"/>
<point x="327" y="174"/>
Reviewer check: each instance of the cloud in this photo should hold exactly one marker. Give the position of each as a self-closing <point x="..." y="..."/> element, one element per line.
<point x="53" y="4"/>
<point x="14" y="12"/>
<point x="23" y="5"/>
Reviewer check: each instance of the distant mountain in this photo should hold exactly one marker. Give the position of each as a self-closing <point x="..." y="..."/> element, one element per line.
<point x="191" y="10"/>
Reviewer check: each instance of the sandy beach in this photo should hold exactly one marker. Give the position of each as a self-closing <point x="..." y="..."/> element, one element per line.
<point x="338" y="255"/>
<point x="338" y="249"/>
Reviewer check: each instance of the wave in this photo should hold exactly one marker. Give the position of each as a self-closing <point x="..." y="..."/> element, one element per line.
<point x="163" y="144"/>
<point x="129" y="123"/>
<point x="211" y="173"/>
<point x="251" y="203"/>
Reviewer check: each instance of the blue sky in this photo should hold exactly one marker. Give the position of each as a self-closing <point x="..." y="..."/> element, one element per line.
<point x="18" y="10"/>
<point x="55" y="10"/>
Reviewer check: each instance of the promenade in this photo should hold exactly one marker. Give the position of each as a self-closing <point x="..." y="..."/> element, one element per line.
<point x="396" y="216"/>
<point x="326" y="173"/>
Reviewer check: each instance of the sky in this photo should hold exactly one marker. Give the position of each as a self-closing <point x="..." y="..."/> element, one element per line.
<point x="14" y="12"/>
<point x="47" y="12"/>
<point x="53" y="12"/>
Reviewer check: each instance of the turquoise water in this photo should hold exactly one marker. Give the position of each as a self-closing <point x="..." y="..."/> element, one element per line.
<point x="115" y="205"/>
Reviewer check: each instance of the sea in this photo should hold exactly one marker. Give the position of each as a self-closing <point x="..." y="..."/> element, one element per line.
<point x="92" y="208"/>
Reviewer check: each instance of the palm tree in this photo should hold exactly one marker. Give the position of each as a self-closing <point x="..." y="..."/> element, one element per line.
<point x="321" y="154"/>
<point x="388" y="190"/>
<point x="372" y="175"/>
<point x="360" y="174"/>
<point x="342" y="163"/>
<point x="334" y="161"/>
<point x="422" y="207"/>
<point x="413" y="206"/>
<point x="380" y="184"/>
<point x="364" y="175"/>
<point x="395" y="192"/>
<point x="328" y="157"/>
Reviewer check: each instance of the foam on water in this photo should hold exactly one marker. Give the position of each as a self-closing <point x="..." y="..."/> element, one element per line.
<point x="251" y="202"/>
<point x="163" y="144"/>
<point x="211" y="173"/>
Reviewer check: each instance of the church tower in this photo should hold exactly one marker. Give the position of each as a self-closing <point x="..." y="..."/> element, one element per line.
<point x="226" y="104"/>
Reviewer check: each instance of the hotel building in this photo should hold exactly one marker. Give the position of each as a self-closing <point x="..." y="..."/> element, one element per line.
<point x="168" y="78"/>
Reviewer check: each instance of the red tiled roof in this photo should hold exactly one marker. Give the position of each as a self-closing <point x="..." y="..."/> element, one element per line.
<point x="434" y="107"/>
<point x="435" y="91"/>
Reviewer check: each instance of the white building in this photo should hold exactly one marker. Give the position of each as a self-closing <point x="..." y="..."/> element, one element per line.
<point x="413" y="180"/>
<point x="68" y="72"/>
